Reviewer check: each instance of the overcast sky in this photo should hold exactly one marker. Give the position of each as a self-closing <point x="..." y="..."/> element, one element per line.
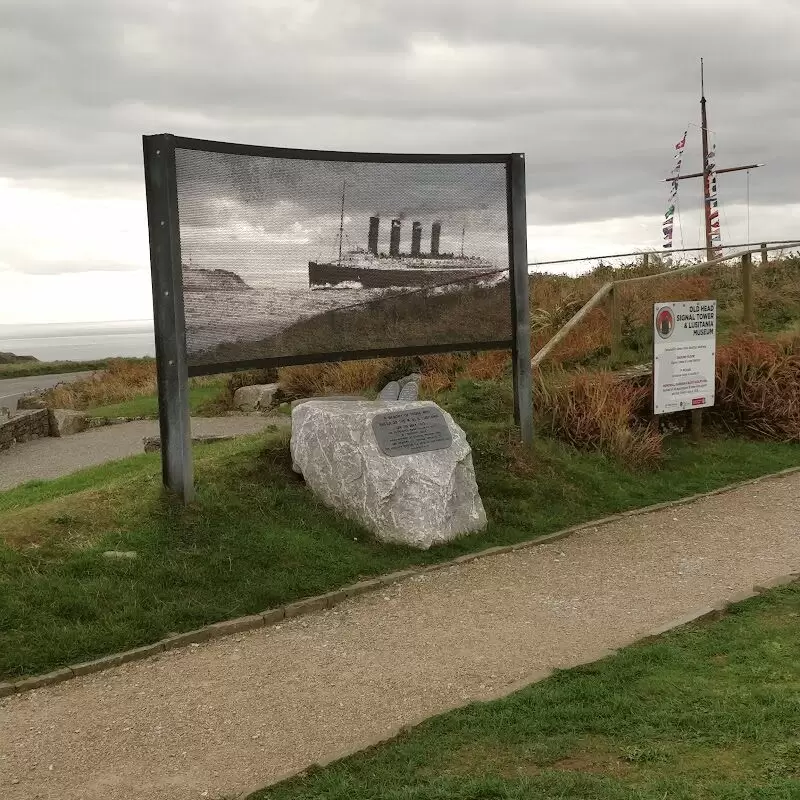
<point x="595" y="93"/>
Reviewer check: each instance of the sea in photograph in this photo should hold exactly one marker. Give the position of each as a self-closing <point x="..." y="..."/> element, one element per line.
<point x="79" y="341"/>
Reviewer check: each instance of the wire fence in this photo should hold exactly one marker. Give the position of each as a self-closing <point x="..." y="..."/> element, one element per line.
<point x="662" y="254"/>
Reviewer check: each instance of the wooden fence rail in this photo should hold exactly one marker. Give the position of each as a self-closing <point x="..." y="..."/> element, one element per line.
<point x="611" y="289"/>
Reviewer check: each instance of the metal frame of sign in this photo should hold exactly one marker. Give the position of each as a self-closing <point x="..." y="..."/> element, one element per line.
<point x="168" y="307"/>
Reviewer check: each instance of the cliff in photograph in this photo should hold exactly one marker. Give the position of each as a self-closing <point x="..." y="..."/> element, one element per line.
<point x="212" y="280"/>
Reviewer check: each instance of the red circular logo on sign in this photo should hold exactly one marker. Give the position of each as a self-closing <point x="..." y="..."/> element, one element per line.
<point x="665" y="323"/>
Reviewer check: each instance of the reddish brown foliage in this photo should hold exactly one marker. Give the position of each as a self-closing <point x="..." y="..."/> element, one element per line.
<point x="595" y="411"/>
<point x="758" y="387"/>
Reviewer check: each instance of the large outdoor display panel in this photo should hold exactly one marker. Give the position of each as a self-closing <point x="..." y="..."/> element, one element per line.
<point x="293" y="256"/>
<point x="263" y="256"/>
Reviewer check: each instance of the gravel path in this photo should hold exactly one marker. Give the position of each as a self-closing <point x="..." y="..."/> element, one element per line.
<point x="239" y="712"/>
<point x="54" y="457"/>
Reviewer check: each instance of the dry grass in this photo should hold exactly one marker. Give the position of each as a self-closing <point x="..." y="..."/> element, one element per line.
<point x="348" y="377"/>
<point x="758" y="387"/>
<point x="555" y="300"/>
<point x="75" y="522"/>
<point x="489" y="366"/>
<point x="595" y="411"/>
<point x="439" y="373"/>
<point x="121" y="380"/>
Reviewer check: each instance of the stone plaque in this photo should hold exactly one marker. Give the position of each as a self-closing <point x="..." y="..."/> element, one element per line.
<point x="412" y="430"/>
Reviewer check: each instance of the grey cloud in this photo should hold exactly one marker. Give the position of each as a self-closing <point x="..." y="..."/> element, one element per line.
<point x="596" y="93"/>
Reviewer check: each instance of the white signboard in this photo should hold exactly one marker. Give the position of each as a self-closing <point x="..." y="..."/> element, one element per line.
<point x="684" y="355"/>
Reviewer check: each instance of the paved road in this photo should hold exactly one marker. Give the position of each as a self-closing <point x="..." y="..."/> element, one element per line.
<point x="223" y="717"/>
<point x="54" y="457"/>
<point x="11" y="389"/>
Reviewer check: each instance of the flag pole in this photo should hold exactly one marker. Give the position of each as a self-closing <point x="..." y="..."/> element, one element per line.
<point x="706" y="171"/>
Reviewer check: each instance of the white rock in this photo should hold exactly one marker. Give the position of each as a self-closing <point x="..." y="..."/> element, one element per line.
<point x="255" y="398"/>
<point x="409" y="391"/>
<point x="328" y="398"/>
<point x="391" y="391"/>
<point x="418" y="500"/>
<point x="65" y="422"/>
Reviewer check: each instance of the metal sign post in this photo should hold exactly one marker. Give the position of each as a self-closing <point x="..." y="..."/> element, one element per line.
<point x="520" y="309"/>
<point x="170" y="333"/>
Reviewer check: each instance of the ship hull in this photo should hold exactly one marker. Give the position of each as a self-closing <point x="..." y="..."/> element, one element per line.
<point x="329" y="275"/>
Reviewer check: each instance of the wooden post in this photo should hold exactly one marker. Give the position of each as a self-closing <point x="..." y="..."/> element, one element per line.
<point x="616" y="321"/>
<point x="764" y="254"/>
<point x="646" y="260"/>
<point x="697" y="424"/>
<point x="747" y="288"/>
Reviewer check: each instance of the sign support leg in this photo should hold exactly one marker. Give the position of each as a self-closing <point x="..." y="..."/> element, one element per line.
<point x="520" y="301"/>
<point x="168" y="315"/>
<point x="697" y="424"/>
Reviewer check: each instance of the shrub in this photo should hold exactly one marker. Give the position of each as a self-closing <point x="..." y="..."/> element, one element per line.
<point x="596" y="411"/>
<point x="121" y="380"/>
<point x="348" y="377"/>
<point x="758" y="387"/>
<point x="489" y="366"/>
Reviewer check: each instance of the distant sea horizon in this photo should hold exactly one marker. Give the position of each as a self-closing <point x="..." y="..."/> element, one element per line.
<point x="79" y="341"/>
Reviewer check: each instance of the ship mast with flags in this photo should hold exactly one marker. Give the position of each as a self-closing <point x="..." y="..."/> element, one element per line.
<point x="713" y="235"/>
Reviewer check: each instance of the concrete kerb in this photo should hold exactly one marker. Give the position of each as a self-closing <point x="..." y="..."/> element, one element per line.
<point x="330" y="599"/>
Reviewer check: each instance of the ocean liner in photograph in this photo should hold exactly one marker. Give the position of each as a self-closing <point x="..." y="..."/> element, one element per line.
<point x="373" y="269"/>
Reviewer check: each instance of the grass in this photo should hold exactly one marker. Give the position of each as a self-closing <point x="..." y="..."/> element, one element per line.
<point x="200" y="396"/>
<point x="706" y="712"/>
<point x="257" y="538"/>
<point x="475" y="313"/>
<point x="23" y="369"/>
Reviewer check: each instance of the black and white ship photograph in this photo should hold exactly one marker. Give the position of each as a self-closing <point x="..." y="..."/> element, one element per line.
<point x="285" y="256"/>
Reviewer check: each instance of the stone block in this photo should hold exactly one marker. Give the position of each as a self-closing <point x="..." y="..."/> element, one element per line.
<point x="38" y="681"/>
<point x="65" y="422"/>
<point x="260" y="397"/>
<point x="31" y="401"/>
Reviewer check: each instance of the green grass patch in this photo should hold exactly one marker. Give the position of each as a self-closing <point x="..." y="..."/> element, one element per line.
<point x="200" y="397"/>
<point x="708" y="711"/>
<point x="257" y="538"/>
<point x="23" y="369"/>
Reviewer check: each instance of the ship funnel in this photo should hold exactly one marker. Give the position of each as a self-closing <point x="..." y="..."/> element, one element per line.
<point x="394" y="238"/>
<point x="416" y="238"/>
<point x="374" y="227"/>
<point x="436" y="232"/>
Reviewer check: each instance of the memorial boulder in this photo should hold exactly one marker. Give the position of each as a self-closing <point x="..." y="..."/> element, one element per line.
<point x="402" y="469"/>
